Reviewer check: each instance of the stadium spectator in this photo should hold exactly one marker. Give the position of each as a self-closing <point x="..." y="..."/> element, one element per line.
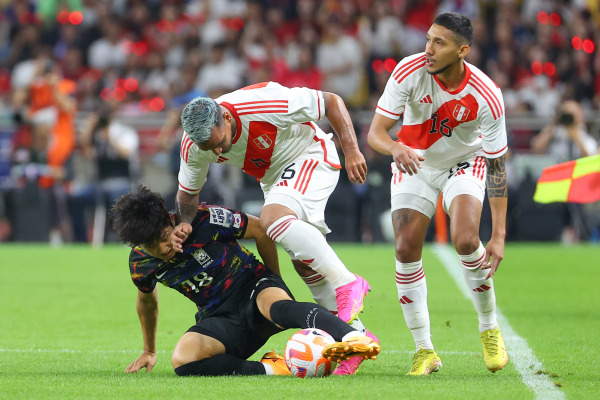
<point x="538" y="51"/>
<point x="269" y="131"/>
<point x="44" y="101"/>
<point x="564" y="139"/>
<point x="113" y="150"/>
<point x="340" y="59"/>
<point x="453" y="136"/>
<point x="216" y="273"/>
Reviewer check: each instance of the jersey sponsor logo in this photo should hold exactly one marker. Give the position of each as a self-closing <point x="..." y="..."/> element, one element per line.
<point x="461" y="113"/>
<point x="263" y="142"/>
<point x="220" y="216"/>
<point x="222" y="159"/>
<point x="202" y="257"/>
<point x="426" y="99"/>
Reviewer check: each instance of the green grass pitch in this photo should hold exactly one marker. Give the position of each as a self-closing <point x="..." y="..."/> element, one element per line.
<point x="69" y="328"/>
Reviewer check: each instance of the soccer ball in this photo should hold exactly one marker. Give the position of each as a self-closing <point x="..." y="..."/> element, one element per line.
<point x="303" y="354"/>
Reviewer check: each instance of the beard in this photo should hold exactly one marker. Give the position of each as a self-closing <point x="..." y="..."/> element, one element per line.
<point x="439" y="71"/>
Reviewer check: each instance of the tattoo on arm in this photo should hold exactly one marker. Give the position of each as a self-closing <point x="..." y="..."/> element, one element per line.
<point x="496" y="177"/>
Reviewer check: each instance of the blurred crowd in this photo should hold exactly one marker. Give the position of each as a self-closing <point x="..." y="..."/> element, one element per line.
<point x="71" y="71"/>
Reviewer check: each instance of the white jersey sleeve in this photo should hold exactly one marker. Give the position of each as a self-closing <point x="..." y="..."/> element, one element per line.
<point x="493" y="122"/>
<point x="193" y="167"/>
<point x="305" y="105"/>
<point x="397" y="90"/>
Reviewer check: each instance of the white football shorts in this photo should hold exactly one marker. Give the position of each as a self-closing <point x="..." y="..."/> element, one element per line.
<point x="420" y="191"/>
<point x="304" y="186"/>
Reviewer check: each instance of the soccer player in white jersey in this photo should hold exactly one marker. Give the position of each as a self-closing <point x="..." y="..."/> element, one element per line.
<point x="268" y="131"/>
<point x="452" y="140"/>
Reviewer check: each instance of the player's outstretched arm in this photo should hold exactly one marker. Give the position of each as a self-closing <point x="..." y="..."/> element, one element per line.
<point x="407" y="161"/>
<point x="265" y="245"/>
<point x="187" y="209"/>
<point x="498" y="195"/>
<point x="147" y="309"/>
<point x="339" y="118"/>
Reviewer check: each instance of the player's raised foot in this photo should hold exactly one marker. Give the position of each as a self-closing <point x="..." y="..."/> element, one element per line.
<point x="349" y="298"/>
<point x="356" y="346"/>
<point x="277" y="363"/>
<point x="424" y="363"/>
<point x="494" y="350"/>
<point x="350" y="366"/>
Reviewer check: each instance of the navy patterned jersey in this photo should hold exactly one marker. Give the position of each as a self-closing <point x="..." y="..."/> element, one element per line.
<point x="213" y="264"/>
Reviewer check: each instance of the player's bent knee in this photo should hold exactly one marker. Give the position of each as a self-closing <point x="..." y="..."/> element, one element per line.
<point x="194" y="346"/>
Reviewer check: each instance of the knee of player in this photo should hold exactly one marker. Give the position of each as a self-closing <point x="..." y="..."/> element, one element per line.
<point x="407" y="248"/>
<point x="465" y="243"/>
<point x="180" y="358"/>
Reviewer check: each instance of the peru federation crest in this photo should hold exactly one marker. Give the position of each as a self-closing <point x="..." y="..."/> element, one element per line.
<point x="461" y="113"/>
<point x="263" y="141"/>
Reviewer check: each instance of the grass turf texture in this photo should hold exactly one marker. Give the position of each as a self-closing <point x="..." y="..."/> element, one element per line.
<point x="69" y="328"/>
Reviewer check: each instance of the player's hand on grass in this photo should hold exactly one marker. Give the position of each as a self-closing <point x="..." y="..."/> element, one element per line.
<point x="356" y="166"/>
<point x="180" y="235"/>
<point x="495" y="253"/>
<point x="146" y="360"/>
<point x="407" y="161"/>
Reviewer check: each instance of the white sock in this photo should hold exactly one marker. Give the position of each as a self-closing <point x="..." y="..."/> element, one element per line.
<point x="412" y="295"/>
<point x="352" y="334"/>
<point x="322" y="291"/>
<point x="308" y="245"/>
<point x="482" y="290"/>
<point x="324" y="294"/>
<point x="268" y="369"/>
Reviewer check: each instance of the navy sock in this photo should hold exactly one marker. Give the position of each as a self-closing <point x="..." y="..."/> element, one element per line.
<point x="221" y="364"/>
<point x="295" y="314"/>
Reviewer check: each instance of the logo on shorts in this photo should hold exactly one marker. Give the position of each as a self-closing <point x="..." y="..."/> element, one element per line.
<point x="263" y="141"/>
<point x="461" y="113"/>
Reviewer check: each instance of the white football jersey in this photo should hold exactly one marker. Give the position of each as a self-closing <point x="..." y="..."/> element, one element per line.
<point x="274" y="126"/>
<point x="445" y="126"/>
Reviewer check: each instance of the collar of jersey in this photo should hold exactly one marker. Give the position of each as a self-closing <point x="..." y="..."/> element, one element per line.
<point x="463" y="83"/>
<point x="233" y="112"/>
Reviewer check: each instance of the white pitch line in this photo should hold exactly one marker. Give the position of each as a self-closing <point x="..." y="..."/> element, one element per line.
<point x="521" y="355"/>
<point x="74" y="351"/>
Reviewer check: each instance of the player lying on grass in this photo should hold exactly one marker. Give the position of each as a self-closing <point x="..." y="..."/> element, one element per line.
<point x="241" y="302"/>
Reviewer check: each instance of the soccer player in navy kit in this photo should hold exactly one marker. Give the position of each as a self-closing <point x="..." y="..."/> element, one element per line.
<point x="241" y="302"/>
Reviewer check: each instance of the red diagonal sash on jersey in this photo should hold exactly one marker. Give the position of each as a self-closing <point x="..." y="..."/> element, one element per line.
<point x="442" y="122"/>
<point x="261" y="143"/>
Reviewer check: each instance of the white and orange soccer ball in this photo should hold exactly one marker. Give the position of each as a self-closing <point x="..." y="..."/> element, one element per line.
<point x="303" y="354"/>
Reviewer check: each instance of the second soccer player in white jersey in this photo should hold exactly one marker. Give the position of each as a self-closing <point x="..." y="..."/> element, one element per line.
<point x="452" y="139"/>
<point x="269" y="131"/>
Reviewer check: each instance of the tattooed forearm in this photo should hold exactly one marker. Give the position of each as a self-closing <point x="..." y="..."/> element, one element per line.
<point x="496" y="177"/>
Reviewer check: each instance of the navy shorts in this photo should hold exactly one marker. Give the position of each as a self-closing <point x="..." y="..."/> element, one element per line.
<point x="238" y="323"/>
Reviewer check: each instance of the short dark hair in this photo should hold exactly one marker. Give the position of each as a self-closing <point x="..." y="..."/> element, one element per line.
<point x="457" y="23"/>
<point x="140" y="216"/>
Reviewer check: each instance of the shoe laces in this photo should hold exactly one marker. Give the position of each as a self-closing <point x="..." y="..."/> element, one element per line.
<point x="491" y="343"/>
